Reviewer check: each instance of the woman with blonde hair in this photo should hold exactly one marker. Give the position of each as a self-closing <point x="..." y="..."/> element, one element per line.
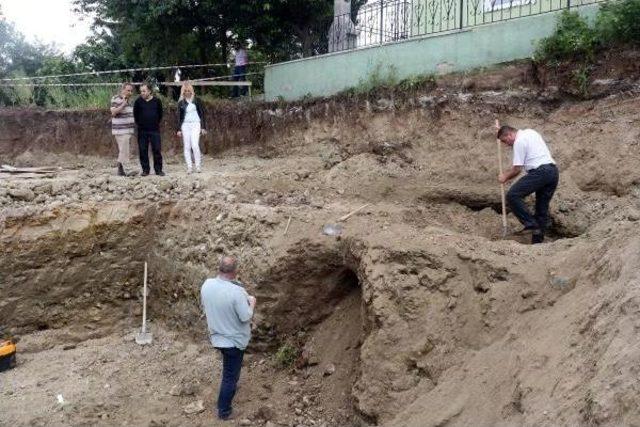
<point x="191" y="124"/>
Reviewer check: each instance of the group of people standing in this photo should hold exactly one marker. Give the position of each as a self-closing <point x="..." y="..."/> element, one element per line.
<point x="145" y="116"/>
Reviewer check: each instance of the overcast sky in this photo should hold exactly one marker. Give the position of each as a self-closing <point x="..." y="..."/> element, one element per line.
<point x="50" y="21"/>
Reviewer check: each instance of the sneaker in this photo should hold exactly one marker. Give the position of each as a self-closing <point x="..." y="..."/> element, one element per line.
<point x="198" y="170"/>
<point x="144" y="173"/>
<point x="160" y="173"/>
<point x="227" y="417"/>
<point x="189" y="171"/>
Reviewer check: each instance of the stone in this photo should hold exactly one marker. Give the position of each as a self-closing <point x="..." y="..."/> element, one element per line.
<point x="189" y="389"/>
<point x="265" y="413"/>
<point x="43" y="189"/>
<point x="561" y="283"/>
<point x="22" y="194"/>
<point x="41" y="198"/>
<point x="165" y="185"/>
<point x="231" y="198"/>
<point x="468" y="83"/>
<point x="194" y="408"/>
<point x="176" y="390"/>
<point x="245" y="422"/>
<point x="330" y="369"/>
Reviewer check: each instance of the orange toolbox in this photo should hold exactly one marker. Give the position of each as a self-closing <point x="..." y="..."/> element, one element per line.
<point x="7" y="355"/>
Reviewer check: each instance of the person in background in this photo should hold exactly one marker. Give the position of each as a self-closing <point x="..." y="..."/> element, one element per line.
<point x="147" y="112"/>
<point x="240" y="69"/>
<point x="191" y="124"/>
<point x="123" y="126"/>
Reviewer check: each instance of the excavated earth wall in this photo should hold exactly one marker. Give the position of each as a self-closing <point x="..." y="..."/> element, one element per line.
<point x="419" y="314"/>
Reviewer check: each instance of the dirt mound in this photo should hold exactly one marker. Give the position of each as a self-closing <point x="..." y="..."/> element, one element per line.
<point x="418" y="314"/>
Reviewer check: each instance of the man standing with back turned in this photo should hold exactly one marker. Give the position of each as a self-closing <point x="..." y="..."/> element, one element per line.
<point x="147" y="111"/>
<point x="531" y="153"/>
<point x="229" y="309"/>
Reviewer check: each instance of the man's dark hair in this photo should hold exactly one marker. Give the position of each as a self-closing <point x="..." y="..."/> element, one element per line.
<point x="505" y="130"/>
<point x="147" y="85"/>
<point x="228" y="265"/>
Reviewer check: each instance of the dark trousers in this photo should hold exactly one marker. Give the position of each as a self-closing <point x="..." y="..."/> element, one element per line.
<point x="144" y="139"/>
<point x="239" y="75"/>
<point x="231" y="365"/>
<point x="542" y="181"/>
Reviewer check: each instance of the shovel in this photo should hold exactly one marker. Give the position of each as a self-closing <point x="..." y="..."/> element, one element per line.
<point x="144" y="337"/>
<point x="336" y="229"/>
<point x="502" y="195"/>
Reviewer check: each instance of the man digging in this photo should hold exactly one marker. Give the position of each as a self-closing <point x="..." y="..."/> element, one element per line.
<point x="530" y="153"/>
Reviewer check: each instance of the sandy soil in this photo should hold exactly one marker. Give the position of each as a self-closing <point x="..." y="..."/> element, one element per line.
<point x="417" y="315"/>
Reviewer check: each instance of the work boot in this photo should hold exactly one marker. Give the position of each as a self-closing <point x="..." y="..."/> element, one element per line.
<point x="121" y="170"/>
<point x="537" y="238"/>
<point x="144" y="173"/>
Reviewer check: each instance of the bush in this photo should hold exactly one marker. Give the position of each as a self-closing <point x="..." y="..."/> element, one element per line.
<point x="619" y="22"/>
<point x="286" y="355"/>
<point x="573" y="39"/>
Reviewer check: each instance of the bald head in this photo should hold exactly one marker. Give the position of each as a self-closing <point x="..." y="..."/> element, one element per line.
<point x="228" y="265"/>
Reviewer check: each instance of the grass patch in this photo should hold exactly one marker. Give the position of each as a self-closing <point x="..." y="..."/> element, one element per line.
<point x="286" y="355"/>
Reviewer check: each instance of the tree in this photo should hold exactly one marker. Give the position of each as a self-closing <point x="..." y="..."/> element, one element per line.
<point x="161" y="32"/>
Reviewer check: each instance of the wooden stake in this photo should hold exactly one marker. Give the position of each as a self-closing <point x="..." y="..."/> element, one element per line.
<point x="502" y="187"/>
<point x="288" y="224"/>
<point x="350" y="214"/>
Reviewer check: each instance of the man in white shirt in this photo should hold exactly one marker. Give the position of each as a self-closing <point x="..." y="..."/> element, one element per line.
<point x="530" y="153"/>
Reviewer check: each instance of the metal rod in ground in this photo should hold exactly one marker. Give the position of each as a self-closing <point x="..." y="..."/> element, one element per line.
<point x="144" y="301"/>
<point x="144" y="337"/>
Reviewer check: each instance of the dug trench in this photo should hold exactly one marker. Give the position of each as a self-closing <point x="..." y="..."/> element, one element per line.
<point x="417" y="315"/>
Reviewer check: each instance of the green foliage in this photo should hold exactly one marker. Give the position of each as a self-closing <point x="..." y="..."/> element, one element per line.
<point x="417" y="82"/>
<point x="286" y="355"/>
<point x="619" y="22"/>
<point x="573" y="38"/>
<point x="581" y="79"/>
<point x="379" y="78"/>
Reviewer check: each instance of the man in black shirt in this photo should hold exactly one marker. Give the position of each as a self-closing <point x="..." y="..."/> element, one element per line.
<point x="147" y="112"/>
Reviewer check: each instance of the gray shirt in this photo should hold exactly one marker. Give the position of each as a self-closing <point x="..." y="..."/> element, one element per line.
<point x="226" y="306"/>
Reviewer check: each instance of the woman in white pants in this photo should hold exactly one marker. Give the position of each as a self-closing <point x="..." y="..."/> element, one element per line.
<point x="191" y="124"/>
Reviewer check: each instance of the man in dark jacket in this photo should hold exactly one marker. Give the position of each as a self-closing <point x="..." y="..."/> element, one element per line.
<point x="147" y="112"/>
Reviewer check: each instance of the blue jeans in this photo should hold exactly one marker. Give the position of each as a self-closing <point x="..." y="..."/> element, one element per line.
<point x="239" y="75"/>
<point x="542" y="181"/>
<point x="231" y="365"/>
